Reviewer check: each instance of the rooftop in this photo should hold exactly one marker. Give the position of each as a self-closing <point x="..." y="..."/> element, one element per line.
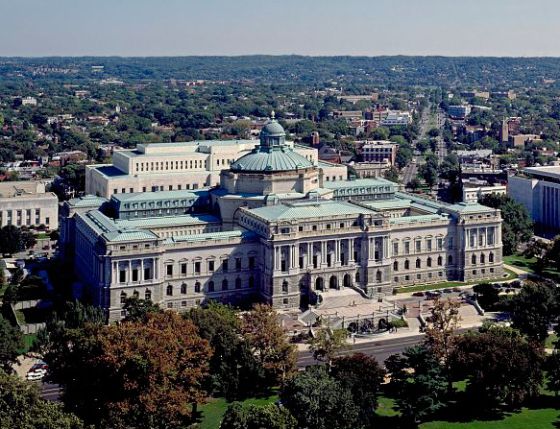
<point x="309" y="210"/>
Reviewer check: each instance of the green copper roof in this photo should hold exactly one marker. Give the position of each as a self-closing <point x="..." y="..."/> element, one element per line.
<point x="87" y="201"/>
<point x="223" y="235"/>
<point x="320" y="209"/>
<point x="280" y="158"/>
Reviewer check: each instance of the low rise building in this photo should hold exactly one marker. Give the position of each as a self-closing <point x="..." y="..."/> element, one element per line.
<point x="378" y="151"/>
<point x="472" y="194"/>
<point x="26" y="203"/>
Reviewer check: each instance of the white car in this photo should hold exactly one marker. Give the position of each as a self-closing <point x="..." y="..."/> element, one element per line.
<point x="37" y="371"/>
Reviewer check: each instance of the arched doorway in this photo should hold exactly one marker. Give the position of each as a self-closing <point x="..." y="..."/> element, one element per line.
<point x="347" y="282"/>
<point x="319" y="284"/>
<point x="333" y="282"/>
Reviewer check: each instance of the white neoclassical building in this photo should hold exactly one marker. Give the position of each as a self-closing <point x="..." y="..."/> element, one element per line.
<point x="274" y="230"/>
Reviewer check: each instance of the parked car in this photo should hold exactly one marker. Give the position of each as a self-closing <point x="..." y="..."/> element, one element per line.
<point x="418" y="294"/>
<point x="37" y="371"/>
<point x="447" y="291"/>
<point x="456" y="289"/>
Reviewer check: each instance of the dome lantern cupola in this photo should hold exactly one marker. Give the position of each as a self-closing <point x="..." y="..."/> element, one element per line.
<point x="272" y="135"/>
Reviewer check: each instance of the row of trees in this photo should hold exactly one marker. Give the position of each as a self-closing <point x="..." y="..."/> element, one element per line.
<point x="155" y="367"/>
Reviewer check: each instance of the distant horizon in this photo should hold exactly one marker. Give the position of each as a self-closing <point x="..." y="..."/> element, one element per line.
<point x="284" y="55"/>
<point x="144" y="28"/>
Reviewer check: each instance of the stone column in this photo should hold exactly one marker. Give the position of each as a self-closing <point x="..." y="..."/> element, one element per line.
<point x="129" y="274"/>
<point x="323" y="251"/>
<point x="337" y="251"/>
<point x="350" y="250"/>
<point x="141" y="276"/>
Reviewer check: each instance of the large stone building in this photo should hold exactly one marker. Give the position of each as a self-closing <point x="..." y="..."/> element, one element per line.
<point x="273" y="231"/>
<point x="538" y="189"/>
<point x="26" y="203"/>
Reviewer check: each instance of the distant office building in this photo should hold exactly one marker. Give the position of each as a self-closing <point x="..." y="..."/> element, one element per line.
<point x="520" y="140"/>
<point x="396" y="118"/>
<point x="25" y="203"/>
<point x="474" y="194"/>
<point x="25" y="101"/>
<point x="459" y="111"/>
<point x="368" y="170"/>
<point x="485" y="95"/>
<point x="379" y="151"/>
<point x="538" y="189"/>
<point x="347" y="114"/>
<point x="355" y="98"/>
<point x="510" y="95"/>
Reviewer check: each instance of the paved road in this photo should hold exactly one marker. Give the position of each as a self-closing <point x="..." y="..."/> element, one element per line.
<point x="381" y="350"/>
<point x="50" y="392"/>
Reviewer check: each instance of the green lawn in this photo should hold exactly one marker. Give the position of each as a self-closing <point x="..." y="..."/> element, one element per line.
<point x="28" y="340"/>
<point x="213" y="411"/>
<point x="544" y="418"/>
<point x="528" y="264"/>
<point x="443" y="285"/>
<point x="549" y="343"/>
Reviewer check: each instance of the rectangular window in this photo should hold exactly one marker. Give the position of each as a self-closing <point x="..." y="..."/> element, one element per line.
<point x="418" y="245"/>
<point x="135" y="274"/>
<point x="439" y="243"/>
<point x="395" y="249"/>
<point x="122" y="276"/>
<point x="225" y="266"/>
<point x="169" y="270"/>
<point x="184" y="268"/>
<point x="251" y="262"/>
<point x="147" y="273"/>
<point x="407" y="247"/>
<point x="429" y="244"/>
<point x="211" y="266"/>
<point x="238" y="264"/>
<point x="197" y="267"/>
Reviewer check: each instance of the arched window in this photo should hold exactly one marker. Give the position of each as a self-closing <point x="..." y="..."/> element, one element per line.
<point x="450" y="260"/>
<point x="482" y="258"/>
<point x="407" y="264"/>
<point x="490" y="257"/>
<point x="123" y="297"/>
<point x="396" y="266"/>
<point x="378" y="276"/>
<point x="418" y="263"/>
<point x="439" y="260"/>
<point x="197" y="287"/>
<point x="285" y="286"/>
<point x="210" y="286"/>
<point x="148" y="295"/>
<point x="473" y="259"/>
<point x="224" y="284"/>
<point x="429" y="262"/>
<point x="237" y="283"/>
<point x="184" y="288"/>
<point x="169" y="290"/>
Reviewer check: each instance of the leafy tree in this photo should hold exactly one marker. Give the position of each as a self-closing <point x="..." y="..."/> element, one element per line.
<point x="487" y="295"/>
<point x="534" y="308"/>
<point x="234" y="369"/>
<point x="145" y="375"/>
<point x="392" y="174"/>
<point x="414" y="184"/>
<point x="417" y="383"/>
<point x="362" y="375"/>
<point x="318" y="401"/>
<point x="404" y="155"/>
<point x="327" y="343"/>
<point x="500" y="364"/>
<point x="268" y="342"/>
<point x="137" y="310"/>
<point x="553" y="371"/>
<point x="22" y="407"/>
<point x="517" y="227"/>
<point x="11" y="239"/>
<point x="11" y="342"/>
<point x="250" y="416"/>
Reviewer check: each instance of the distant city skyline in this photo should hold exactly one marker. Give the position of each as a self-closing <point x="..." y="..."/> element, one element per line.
<point x="308" y="27"/>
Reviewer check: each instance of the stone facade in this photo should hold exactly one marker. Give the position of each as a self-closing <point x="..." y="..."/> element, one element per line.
<point x="276" y="235"/>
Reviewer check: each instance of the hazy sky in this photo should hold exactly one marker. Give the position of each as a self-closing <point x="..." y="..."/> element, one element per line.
<point x="308" y="27"/>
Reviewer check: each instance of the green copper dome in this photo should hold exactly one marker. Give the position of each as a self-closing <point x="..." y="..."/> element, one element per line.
<point x="273" y="154"/>
<point x="271" y="159"/>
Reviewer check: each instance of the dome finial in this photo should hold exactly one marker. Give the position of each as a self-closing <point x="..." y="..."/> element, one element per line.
<point x="272" y="114"/>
